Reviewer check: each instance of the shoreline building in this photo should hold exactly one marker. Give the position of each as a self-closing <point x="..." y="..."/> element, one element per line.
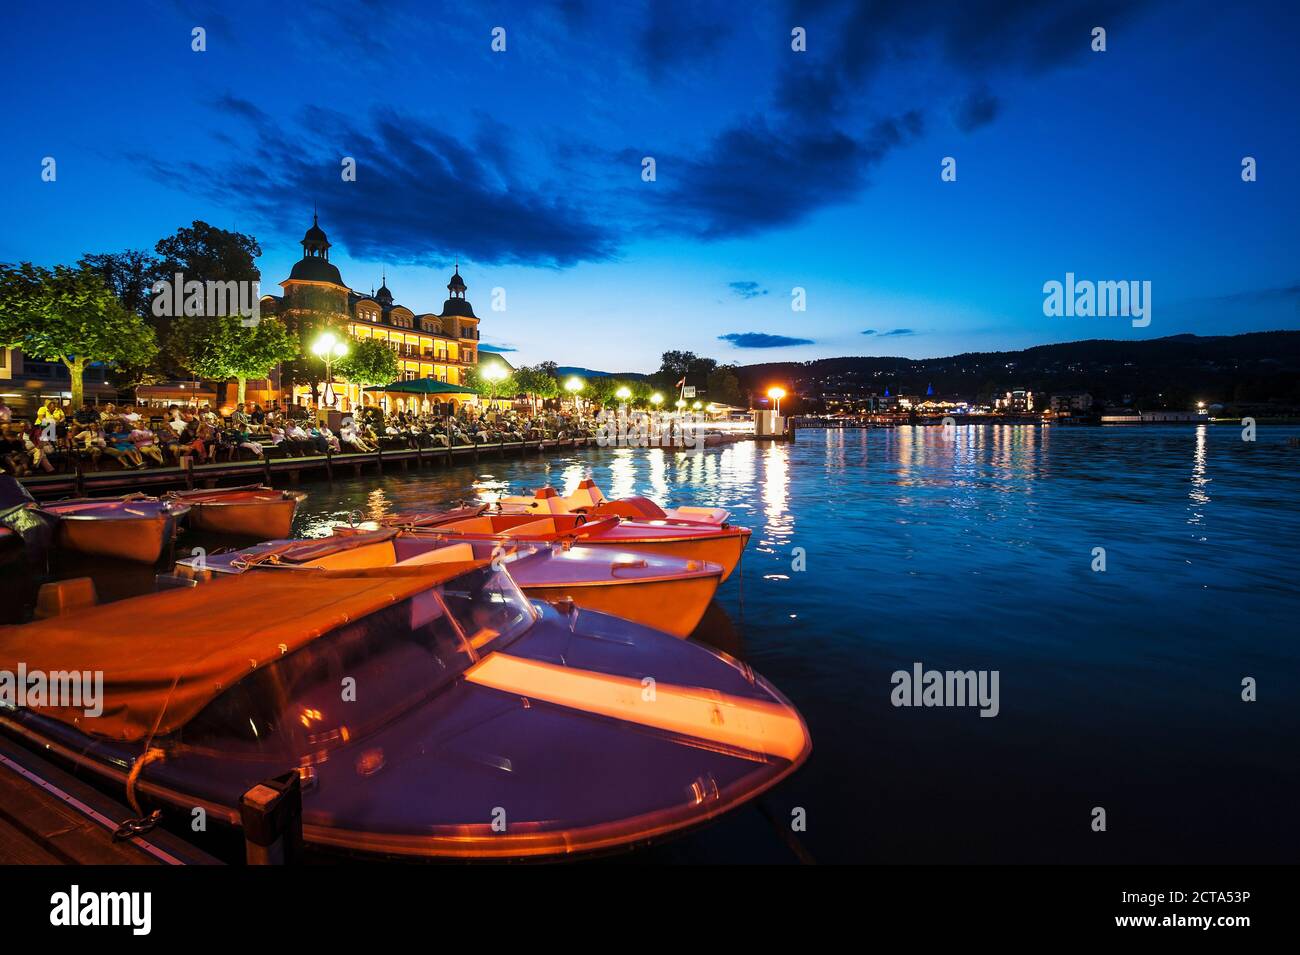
<point x="440" y="347"/>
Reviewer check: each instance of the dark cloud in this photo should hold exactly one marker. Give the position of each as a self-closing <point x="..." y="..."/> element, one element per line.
<point x="747" y="289"/>
<point x="679" y="31"/>
<point x="241" y="108"/>
<point x="895" y="332"/>
<point x="754" y="176"/>
<point x="762" y="340"/>
<point x="977" y="108"/>
<point x="851" y="42"/>
<point x="410" y="175"/>
<point x="869" y="331"/>
<point x="1282" y="293"/>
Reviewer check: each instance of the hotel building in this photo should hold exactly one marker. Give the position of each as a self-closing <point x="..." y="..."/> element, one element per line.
<point x="440" y="347"/>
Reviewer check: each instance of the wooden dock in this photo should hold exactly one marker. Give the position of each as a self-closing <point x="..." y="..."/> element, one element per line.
<point x="49" y="817"/>
<point x="279" y="471"/>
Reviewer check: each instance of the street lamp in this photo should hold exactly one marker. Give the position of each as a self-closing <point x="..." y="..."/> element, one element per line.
<point x="623" y="393"/>
<point x="495" y="373"/>
<point x="776" y="394"/>
<point x="573" y="386"/>
<point x="656" y="399"/>
<point x="681" y="402"/>
<point x="329" y="347"/>
<point x="697" y="406"/>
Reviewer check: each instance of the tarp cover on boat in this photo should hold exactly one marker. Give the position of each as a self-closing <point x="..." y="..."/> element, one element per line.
<point x="172" y="652"/>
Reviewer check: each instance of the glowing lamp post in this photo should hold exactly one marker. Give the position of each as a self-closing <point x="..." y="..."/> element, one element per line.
<point x="656" y="399"/>
<point x="329" y="346"/>
<point x="623" y="394"/>
<point x="573" y="386"/>
<point x="681" y="403"/>
<point x="776" y="394"/>
<point x="494" y="374"/>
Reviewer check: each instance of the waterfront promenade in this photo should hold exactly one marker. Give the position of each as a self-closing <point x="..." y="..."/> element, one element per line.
<point x="283" y="470"/>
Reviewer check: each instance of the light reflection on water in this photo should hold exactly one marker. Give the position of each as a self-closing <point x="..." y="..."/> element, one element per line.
<point x="971" y="549"/>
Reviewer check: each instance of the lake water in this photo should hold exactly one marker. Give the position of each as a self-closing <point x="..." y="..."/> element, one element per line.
<point x="974" y="550"/>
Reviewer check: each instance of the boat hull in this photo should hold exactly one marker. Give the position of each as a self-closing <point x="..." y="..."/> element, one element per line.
<point x="142" y="540"/>
<point x="557" y="726"/>
<point x="724" y="549"/>
<point x="673" y="606"/>
<point x="263" y="519"/>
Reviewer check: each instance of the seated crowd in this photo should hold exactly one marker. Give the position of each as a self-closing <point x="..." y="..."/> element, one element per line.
<point x="134" y="437"/>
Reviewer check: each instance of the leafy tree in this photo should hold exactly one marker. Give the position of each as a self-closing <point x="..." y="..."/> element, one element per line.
<point x="70" y="315"/>
<point x="600" y="391"/>
<point x="223" y="347"/>
<point x="208" y="254"/>
<point x="369" y="361"/>
<point x="130" y="274"/>
<point x="202" y="253"/>
<point x="724" y="387"/>
<point x="536" y="382"/>
<point x="676" y="365"/>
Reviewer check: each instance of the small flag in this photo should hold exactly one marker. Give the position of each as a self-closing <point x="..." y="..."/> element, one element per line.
<point x="681" y="384"/>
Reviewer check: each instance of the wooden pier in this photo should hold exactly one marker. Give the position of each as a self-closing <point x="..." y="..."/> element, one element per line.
<point x="280" y="470"/>
<point x="49" y="817"/>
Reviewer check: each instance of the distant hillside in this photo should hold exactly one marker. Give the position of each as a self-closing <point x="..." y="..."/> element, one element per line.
<point x="568" y="370"/>
<point x="1172" y="372"/>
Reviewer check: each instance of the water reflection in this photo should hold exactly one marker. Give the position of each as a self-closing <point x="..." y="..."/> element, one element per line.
<point x="622" y="474"/>
<point x="1199" y="492"/>
<point x="779" y="525"/>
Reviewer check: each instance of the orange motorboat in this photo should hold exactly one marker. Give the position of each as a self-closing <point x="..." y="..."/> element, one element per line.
<point x="134" y="528"/>
<point x="718" y="544"/>
<point x="249" y="511"/>
<point x="590" y="500"/>
<point x="653" y="590"/>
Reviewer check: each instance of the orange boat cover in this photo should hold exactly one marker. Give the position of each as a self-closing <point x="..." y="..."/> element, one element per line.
<point x="166" y="655"/>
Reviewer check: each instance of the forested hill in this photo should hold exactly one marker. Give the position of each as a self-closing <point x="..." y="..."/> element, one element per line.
<point x="1254" y="367"/>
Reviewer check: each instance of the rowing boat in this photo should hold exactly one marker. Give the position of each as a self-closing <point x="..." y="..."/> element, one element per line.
<point x="715" y="543"/>
<point x="133" y="528"/>
<point x="588" y="499"/>
<point x="474" y="723"/>
<point x="250" y="511"/>
<point x="655" y="591"/>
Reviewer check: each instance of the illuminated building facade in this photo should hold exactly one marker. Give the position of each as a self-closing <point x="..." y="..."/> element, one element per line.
<point x="440" y="346"/>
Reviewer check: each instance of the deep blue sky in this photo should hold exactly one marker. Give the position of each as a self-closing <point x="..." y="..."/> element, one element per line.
<point x="776" y="169"/>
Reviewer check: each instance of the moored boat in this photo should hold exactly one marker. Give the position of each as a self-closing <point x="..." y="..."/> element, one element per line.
<point x="249" y="511"/>
<point x="718" y="544"/>
<point x="656" y="591"/>
<point x="482" y="724"/>
<point x="134" y="528"/>
<point x="588" y="499"/>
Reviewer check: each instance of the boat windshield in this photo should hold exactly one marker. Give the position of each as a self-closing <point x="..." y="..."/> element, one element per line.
<point x="361" y="676"/>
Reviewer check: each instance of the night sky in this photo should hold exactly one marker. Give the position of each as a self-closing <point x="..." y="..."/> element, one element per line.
<point x="775" y="169"/>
